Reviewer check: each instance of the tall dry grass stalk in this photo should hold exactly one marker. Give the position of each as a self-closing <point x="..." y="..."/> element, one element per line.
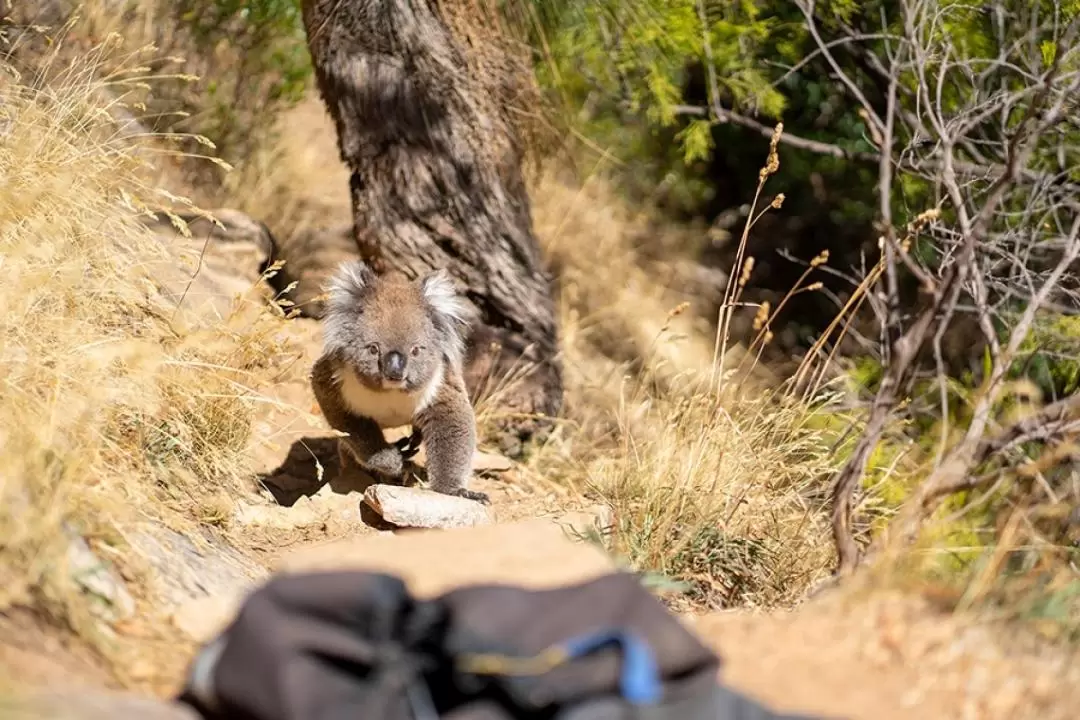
<point x="714" y="475"/>
<point x="111" y="413"/>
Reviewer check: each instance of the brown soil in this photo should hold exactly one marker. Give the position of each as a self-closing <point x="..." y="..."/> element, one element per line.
<point x="889" y="657"/>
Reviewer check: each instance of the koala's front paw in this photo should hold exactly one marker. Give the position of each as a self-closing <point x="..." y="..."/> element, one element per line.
<point x="387" y="461"/>
<point x="476" y="495"/>
<point x="409" y="445"/>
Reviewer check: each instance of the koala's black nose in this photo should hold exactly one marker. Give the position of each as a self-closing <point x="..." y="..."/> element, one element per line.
<point x="394" y="366"/>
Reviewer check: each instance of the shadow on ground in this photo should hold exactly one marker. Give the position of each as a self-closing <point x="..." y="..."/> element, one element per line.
<point x="312" y="464"/>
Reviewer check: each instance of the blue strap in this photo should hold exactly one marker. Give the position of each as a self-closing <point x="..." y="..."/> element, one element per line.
<point x="639" y="678"/>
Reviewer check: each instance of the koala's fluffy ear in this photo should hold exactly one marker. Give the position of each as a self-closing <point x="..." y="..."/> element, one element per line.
<point x="442" y="297"/>
<point x="347" y="286"/>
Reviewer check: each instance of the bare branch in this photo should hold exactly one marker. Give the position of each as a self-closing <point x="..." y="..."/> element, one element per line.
<point x="807" y="8"/>
<point x="903" y="163"/>
<point x="990" y="217"/>
<point x="710" y="66"/>
<point x="1051" y="423"/>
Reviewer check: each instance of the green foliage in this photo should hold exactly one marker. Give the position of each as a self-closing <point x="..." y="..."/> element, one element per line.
<point x="639" y="53"/>
<point x="1050" y="355"/>
<point x="697" y="140"/>
<point x="721" y="570"/>
<point x="264" y="45"/>
<point x="642" y="70"/>
<point x="649" y="73"/>
<point x="711" y="567"/>
<point x="865" y="374"/>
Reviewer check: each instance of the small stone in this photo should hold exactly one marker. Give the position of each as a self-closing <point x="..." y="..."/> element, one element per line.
<point x="413" y="507"/>
<point x="281" y="518"/>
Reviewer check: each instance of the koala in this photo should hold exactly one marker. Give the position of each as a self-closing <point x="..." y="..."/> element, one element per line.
<point x="392" y="355"/>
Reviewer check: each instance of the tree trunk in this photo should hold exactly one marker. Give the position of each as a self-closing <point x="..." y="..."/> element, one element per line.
<point x="437" y="180"/>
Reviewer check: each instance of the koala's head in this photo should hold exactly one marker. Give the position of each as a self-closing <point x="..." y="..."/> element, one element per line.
<point x="396" y="334"/>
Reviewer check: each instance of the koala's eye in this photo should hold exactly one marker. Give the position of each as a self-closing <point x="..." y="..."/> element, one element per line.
<point x="373" y="349"/>
<point x="415" y="352"/>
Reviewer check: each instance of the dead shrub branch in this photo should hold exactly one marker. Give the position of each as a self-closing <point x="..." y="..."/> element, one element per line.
<point x="984" y="133"/>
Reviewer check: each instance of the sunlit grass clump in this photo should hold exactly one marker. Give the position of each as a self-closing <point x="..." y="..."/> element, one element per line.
<point x="114" y="409"/>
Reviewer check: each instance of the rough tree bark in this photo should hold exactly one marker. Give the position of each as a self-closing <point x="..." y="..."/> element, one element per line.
<point x="423" y="125"/>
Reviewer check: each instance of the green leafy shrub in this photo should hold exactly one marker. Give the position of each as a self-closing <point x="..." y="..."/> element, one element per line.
<point x="263" y="60"/>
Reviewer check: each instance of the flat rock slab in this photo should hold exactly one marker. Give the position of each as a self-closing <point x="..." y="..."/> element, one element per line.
<point x="184" y="571"/>
<point x="204" y="274"/>
<point x="415" y="508"/>
<point x="491" y="462"/>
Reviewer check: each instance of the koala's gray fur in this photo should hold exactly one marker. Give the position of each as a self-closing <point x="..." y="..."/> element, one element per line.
<point x="392" y="356"/>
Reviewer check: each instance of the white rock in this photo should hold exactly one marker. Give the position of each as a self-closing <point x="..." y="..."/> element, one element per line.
<point x="413" y="507"/>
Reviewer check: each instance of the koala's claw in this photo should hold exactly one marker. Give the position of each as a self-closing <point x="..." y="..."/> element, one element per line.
<point x="476" y="495"/>
<point x="410" y="445"/>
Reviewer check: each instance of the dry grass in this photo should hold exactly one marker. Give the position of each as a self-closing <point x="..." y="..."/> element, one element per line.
<point x="714" y="478"/>
<point x="111" y="414"/>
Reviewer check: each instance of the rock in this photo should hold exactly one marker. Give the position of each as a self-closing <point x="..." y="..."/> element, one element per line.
<point x="183" y="572"/>
<point x="96" y="578"/>
<point x="490" y="462"/>
<point x="205" y="273"/>
<point x="416" y="508"/>
<point x="534" y="554"/>
<point x="274" y="516"/>
<point x="308" y="511"/>
<point x="327" y="503"/>
<point x="238" y="235"/>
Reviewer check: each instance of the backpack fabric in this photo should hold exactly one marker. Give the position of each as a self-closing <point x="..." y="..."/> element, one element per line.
<point x="358" y="646"/>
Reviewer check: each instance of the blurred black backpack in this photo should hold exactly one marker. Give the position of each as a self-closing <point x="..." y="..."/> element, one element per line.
<point x="357" y="646"/>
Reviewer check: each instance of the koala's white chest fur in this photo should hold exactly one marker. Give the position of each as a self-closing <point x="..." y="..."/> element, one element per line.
<point x="388" y="408"/>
